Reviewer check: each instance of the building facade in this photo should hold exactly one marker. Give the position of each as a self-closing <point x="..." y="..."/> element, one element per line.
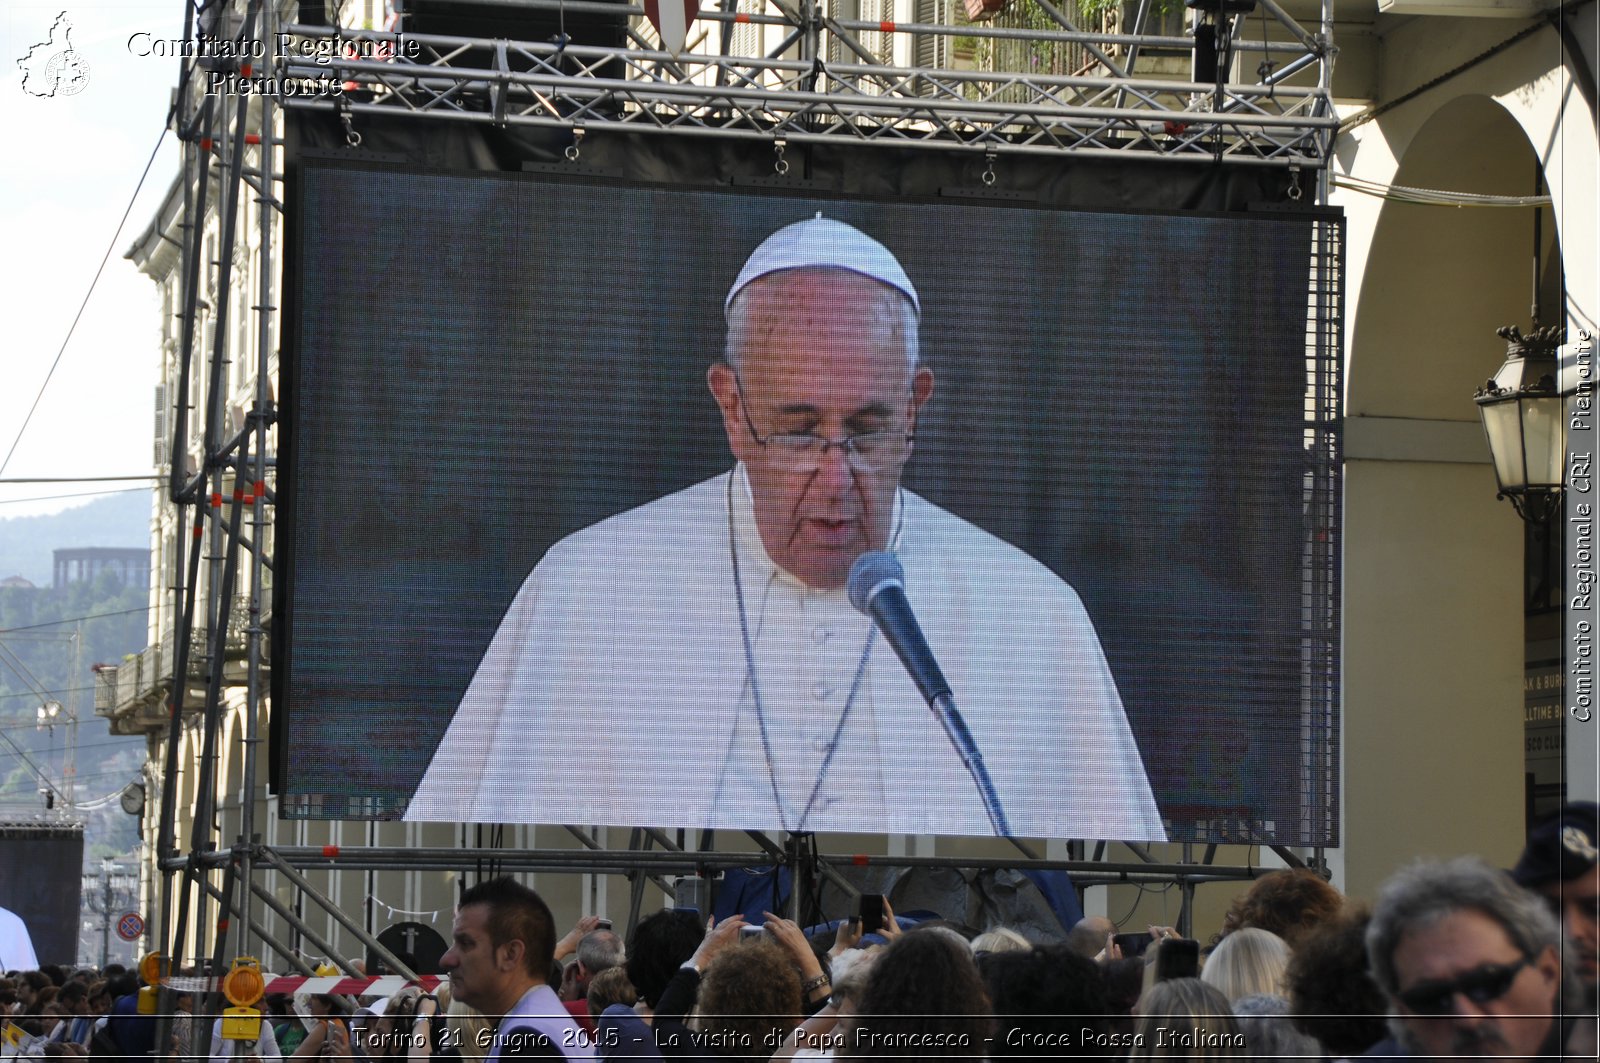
<point x="1459" y="95"/>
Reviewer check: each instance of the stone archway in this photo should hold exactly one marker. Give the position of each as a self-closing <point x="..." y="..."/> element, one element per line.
<point x="1433" y="563"/>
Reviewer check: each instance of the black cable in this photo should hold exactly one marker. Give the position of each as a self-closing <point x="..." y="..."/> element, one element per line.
<point x="1554" y="19"/>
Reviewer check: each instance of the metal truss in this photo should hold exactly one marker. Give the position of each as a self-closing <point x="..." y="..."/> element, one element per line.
<point x="652" y="855"/>
<point x="794" y="94"/>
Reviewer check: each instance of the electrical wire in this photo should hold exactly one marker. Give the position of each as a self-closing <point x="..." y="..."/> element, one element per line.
<point x="122" y="773"/>
<point x="58" y="690"/>
<point x="73" y="620"/>
<point x="92" y="775"/>
<point x="73" y="479"/>
<point x="114" y="743"/>
<point x="96" y="803"/>
<point x="111" y="246"/>
<point x="38" y="772"/>
<point x="16" y="664"/>
<point x="1138" y="899"/>
<point x="75" y="494"/>
<point x="1434" y="197"/>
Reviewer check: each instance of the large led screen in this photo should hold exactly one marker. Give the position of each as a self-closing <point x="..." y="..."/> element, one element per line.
<point x="544" y="557"/>
<point x="41" y="871"/>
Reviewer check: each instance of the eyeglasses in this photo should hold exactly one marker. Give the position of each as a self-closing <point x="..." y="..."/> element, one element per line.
<point x="803" y="452"/>
<point x="1481" y="985"/>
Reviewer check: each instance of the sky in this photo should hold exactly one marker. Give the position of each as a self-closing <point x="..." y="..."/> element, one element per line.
<point x="69" y="169"/>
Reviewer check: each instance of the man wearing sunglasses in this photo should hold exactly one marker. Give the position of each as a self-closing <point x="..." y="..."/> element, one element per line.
<point x="696" y="661"/>
<point x="1470" y="963"/>
<point x="1561" y="863"/>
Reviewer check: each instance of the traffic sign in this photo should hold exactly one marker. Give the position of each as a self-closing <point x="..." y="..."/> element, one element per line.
<point x="130" y="927"/>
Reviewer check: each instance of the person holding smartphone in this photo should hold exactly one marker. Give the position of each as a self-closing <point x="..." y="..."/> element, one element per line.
<point x="326" y="1029"/>
<point x="595" y="948"/>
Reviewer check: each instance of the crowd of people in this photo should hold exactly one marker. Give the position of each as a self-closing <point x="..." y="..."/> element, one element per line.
<point x="1454" y="959"/>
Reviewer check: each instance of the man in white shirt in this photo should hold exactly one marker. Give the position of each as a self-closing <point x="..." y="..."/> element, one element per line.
<point x="696" y="661"/>
<point x="501" y="946"/>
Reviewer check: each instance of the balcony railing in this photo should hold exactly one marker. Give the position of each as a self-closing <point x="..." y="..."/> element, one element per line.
<point x="135" y="691"/>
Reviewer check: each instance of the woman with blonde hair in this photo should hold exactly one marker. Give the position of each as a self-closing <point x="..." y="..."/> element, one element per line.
<point x="1248" y="962"/>
<point x="1183" y="1018"/>
<point x="999" y="939"/>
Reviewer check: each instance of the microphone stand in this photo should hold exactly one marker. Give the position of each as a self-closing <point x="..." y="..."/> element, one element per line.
<point x="955" y="729"/>
<point x="877" y="588"/>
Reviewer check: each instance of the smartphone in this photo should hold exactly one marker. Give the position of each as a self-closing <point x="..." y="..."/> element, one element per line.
<point x="604" y="924"/>
<point x="871" y="913"/>
<point x="750" y="931"/>
<point x="1178" y="958"/>
<point x="1133" y="944"/>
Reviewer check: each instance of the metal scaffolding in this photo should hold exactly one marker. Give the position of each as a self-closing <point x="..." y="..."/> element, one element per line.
<point x="790" y="92"/>
<point x="793" y="92"/>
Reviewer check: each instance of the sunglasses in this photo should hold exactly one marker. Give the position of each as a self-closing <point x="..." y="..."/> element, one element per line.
<point x="1480" y="985"/>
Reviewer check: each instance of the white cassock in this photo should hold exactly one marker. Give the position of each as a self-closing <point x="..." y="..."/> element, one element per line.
<point x="16" y="944"/>
<point x="617" y="690"/>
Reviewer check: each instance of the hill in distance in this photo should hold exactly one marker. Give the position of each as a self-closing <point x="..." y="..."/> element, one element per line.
<point x="26" y="543"/>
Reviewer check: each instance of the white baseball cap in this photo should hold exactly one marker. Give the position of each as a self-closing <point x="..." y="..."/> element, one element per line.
<point x="822" y="243"/>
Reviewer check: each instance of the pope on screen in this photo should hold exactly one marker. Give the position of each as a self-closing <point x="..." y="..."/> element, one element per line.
<point x="696" y="661"/>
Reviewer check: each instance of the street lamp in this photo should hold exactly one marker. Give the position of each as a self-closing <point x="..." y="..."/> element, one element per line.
<point x="117" y="885"/>
<point x="1524" y="417"/>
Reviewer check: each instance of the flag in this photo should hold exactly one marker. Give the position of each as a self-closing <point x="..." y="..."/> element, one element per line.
<point x="671" y="19"/>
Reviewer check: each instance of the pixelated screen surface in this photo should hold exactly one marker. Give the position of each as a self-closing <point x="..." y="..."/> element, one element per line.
<point x="40" y="883"/>
<point x="1115" y="456"/>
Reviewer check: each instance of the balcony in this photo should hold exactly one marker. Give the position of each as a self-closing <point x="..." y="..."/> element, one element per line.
<point x="133" y="695"/>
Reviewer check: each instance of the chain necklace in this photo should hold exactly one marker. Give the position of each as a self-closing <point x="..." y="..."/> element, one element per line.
<point x="755" y="687"/>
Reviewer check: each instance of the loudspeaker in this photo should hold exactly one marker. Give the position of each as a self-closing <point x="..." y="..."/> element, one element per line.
<point x="517" y="20"/>
<point x="512" y="21"/>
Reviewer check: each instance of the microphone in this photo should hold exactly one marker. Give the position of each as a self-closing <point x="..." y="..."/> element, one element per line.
<point x="877" y="587"/>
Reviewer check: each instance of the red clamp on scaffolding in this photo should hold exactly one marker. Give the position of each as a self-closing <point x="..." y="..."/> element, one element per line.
<point x="860" y="860"/>
<point x="330" y="851"/>
<point x="886" y="26"/>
